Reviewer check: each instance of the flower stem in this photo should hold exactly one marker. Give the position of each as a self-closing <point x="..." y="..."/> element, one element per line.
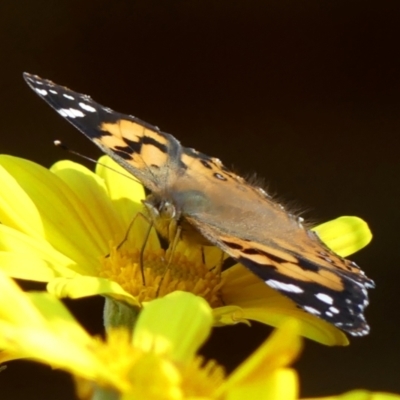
<point x="104" y="394"/>
<point x="119" y="314"/>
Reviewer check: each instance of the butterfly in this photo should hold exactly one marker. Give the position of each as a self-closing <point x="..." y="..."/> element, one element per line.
<point x="208" y="203"/>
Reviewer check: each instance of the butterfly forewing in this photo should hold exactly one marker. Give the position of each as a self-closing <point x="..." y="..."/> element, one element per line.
<point x="230" y="213"/>
<point x="139" y="147"/>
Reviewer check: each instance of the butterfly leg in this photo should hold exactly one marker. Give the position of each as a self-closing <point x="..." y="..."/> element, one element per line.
<point x="176" y="239"/>
<point x="203" y="255"/>
<point x="125" y="238"/>
<point x="220" y="266"/>
<point x="141" y="254"/>
<point x="143" y="246"/>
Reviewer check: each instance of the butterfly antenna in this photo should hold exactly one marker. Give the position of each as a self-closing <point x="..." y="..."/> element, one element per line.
<point x="64" y="147"/>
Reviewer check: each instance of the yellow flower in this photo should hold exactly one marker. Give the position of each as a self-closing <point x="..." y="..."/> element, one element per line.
<point x="158" y="362"/>
<point x="360" y="395"/>
<point x="84" y="234"/>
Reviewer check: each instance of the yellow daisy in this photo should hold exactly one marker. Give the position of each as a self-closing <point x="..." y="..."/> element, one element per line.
<point x="159" y="361"/>
<point x="84" y="234"/>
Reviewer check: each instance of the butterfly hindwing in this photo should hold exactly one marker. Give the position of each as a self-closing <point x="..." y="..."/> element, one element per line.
<point x="338" y="297"/>
<point x="261" y="235"/>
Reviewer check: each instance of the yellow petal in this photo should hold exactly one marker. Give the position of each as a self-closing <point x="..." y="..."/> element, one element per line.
<point x="154" y="378"/>
<point x="273" y="356"/>
<point x="43" y="345"/>
<point x="104" y="222"/>
<point x="360" y="395"/>
<point x="20" y="253"/>
<point x="124" y="189"/>
<point x="229" y="315"/>
<point x="281" y="384"/>
<point x="344" y="235"/>
<point x="59" y="319"/>
<point x="60" y="211"/>
<point x="22" y="266"/>
<point x="177" y="325"/>
<point x="39" y="327"/>
<point x="84" y="286"/>
<point x="15" y="307"/>
<point x="17" y="210"/>
<point x="278" y="351"/>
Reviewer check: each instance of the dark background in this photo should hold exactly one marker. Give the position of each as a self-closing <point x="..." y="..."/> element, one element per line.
<point x="305" y="93"/>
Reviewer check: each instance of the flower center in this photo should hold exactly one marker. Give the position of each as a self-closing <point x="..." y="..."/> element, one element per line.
<point x="162" y="273"/>
<point x="151" y="375"/>
<point x="201" y="378"/>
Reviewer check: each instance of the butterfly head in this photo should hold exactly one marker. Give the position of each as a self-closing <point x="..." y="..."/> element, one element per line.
<point x="170" y="222"/>
<point x="163" y="214"/>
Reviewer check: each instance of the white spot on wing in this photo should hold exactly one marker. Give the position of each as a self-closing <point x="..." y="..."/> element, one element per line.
<point x="70" y="112"/>
<point x="286" y="287"/>
<point x="42" y="92"/>
<point x="329" y="314"/>
<point x="334" y="310"/>
<point x="67" y="96"/>
<point x="324" y="298"/>
<point x="52" y="91"/>
<point x="86" y="107"/>
<point x="62" y="112"/>
<point x="311" y="310"/>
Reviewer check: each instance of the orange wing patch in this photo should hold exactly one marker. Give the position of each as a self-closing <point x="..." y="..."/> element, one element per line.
<point x="141" y="144"/>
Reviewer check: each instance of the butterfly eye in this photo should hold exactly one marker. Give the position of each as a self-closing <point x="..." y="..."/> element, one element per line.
<point x="167" y="210"/>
